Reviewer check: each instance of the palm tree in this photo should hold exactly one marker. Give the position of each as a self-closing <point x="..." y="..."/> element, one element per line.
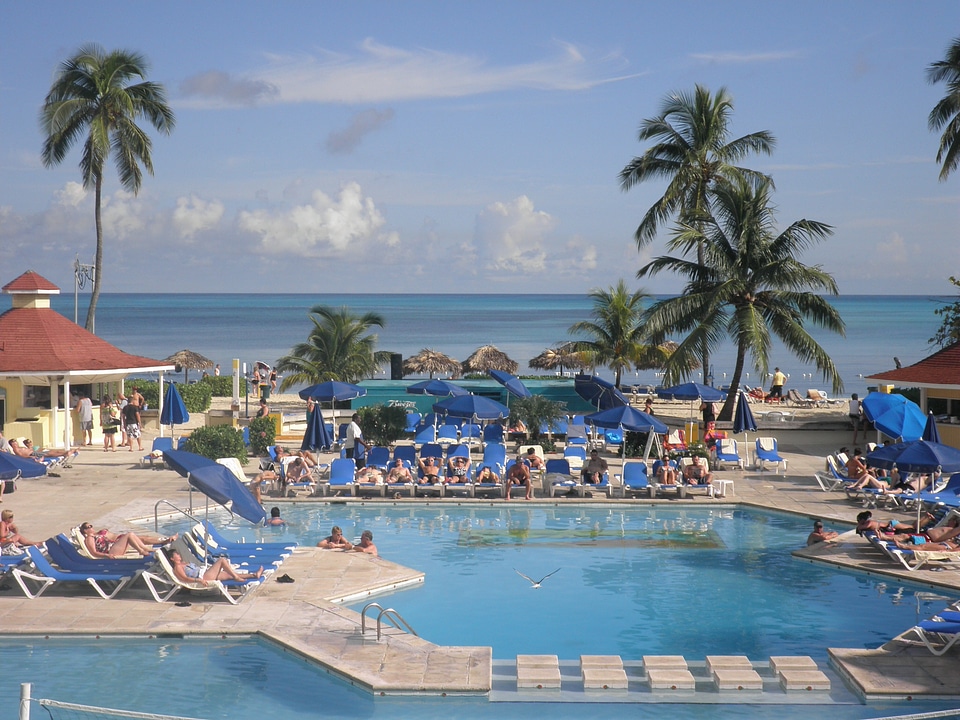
<point x="616" y="330"/>
<point x="693" y="151"/>
<point x="946" y="113"/>
<point x="337" y="348"/>
<point x="749" y="288"/>
<point x="92" y="94"/>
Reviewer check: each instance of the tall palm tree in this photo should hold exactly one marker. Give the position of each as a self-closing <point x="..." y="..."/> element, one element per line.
<point x="616" y="330"/>
<point x="749" y="288"/>
<point x="338" y="348"/>
<point x="946" y="113"/>
<point x="693" y="151"/>
<point x="95" y="93"/>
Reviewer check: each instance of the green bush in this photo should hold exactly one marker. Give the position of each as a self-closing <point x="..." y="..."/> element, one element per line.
<point x="222" y="385"/>
<point x="196" y="397"/>
<point x="263" y="433"/>
<point x="149" y="389"/>
<point x="219" y="441"/>
<point x="536" y="412"/>
<point x="382" y="425"/>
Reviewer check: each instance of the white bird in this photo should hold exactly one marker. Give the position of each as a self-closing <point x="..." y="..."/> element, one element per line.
<point x="535" y="584"/>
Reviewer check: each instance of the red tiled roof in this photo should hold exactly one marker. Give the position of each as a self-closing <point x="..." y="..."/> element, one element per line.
<point x="30" y="281"/>
<point x="41" y="341"/>
<point x="941" y="368"/>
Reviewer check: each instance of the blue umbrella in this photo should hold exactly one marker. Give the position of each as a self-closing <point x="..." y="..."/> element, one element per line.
<point x="930" y="432"/>
<point x="472" y="406"/>
<point x="512" y="383"/>
<point x="627" y="418"/>
<point x="743" y="417"/>
<point x="333" y="391"/>
<point x="14" y="466"/>
<point x="220" y="485"/>
<point x="437" y="388"/>
<point x="692" y="391"/>
<point x="918" y="456"/>
<point x="185" y="462"/>
<point x="174" y="411"/>
<point x="316" y="436"/>
<point x="875" y="404"/>
<point x="600" y="393"/>
<point x="903" y="420"/>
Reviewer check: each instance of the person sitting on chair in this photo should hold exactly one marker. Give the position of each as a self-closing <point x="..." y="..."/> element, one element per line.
<point x="399" y="473"/>
<point x="487" y="476"/>
<point x="665" y="471"/>
<point x="518" y="474"/>
<point x="856" y="470"/>
<point x="593" y="469"/>
<point x="105" y="544"/>
<point x="697" y="474"/>
<point x="535" y="461"/>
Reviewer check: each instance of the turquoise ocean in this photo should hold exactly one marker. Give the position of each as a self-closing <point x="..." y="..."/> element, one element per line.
<point x="255" y="327"/>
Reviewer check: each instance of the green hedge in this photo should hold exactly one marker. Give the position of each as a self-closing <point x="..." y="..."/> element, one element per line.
<point x="219" y="441"/>
<point x="222" y="385"/>
<point x="263" y="433"/>
<point x="196" y="397"/>
<point x="381" y="424"/>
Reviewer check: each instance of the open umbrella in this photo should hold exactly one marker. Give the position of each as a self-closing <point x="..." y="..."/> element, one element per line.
<point x="174" y="412"/>
<point x="472" y="406"/>
<point x="333" y="391"/>
<point x="598" y="392"/>
<point x="189" y="360"/>
<point x="489" y="357"/>
<point x="429" y="362"/>
<point x="513" y="384"/>
<point x="13" y="467"/>
<point x="436" y="388"/>
<point x="902" y="420"/>
<point x="930" y="432"/>
<point x="691" y="391"/>
<point x="316" y="436"/>
<point x="625" y="417"/>
<point x="919" y="456"/>
<point x="220" y="485"/>
<point x="185" y="462"/>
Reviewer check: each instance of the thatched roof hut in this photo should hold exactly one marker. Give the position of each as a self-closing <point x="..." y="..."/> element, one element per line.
<point x="489" y="357"/>
<point x="429" y="362"/>
<point x="189" y="360"/>
<point x="560" y="357"/>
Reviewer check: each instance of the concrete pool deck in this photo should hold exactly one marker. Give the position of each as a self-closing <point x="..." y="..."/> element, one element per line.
<point x="110" y="489"/>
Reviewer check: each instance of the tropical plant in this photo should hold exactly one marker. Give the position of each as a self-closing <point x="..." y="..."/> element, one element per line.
<point x="749" y="288"/>
<point x="222" y="385"/>
<point x="946" y="113"/>
<point x="338" y="348"/>
<point x="196" y="397"/>
<point x="381" y="424"/>
<point x="218" y="441"/>
<point x="949" y="330"/>
<point x="693" y="151"/>
<point x="537" y="412"/>
<point x="616" y="330"/>
<point x="263" y="433"/>
<point x="96" y="93"/>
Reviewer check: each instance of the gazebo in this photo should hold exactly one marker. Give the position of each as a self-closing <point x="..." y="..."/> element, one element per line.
<point x="42" y="351"/>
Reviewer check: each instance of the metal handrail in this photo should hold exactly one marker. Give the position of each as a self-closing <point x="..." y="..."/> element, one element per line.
<point x="390" y="614"/>
<point x="156" y="514"/>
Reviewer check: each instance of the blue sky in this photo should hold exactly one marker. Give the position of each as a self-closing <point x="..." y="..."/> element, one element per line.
<point x="472" y="146"/>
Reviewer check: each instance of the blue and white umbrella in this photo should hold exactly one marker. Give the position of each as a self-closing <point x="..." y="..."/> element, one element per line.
<point x="512" y="383"/>
<point x="600" y="393"/>
<point x="436" y="388"/>
<point x="691" y="391"/>
<point x="930" y="431"/>
<point x="472" y="406"/>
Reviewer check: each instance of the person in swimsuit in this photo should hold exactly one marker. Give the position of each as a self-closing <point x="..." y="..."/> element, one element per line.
<point x="105" y="544"/>
<point x="487" y="476"/>
<point x="430" y="469"/>
<point x="518" y="474"/>
<point x="335" y="540"/>
<point x="398" y="473"/>
<point x="11" y="541"/>
<point x="366" y="544"/>
<point x="220" y="570"/>
<point x="458" y="469"/>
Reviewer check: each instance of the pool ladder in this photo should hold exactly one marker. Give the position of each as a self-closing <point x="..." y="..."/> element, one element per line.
<point x="389" y="614"/>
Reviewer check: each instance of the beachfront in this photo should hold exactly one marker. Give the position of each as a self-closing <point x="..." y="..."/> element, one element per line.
<point x="111" y="490"/>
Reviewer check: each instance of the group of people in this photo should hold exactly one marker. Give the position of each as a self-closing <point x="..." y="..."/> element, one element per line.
<point x="696" y="473"/>
<point x="929" y="532"/>
<point x="120" y="415"/>
<point x="336" y="541"/>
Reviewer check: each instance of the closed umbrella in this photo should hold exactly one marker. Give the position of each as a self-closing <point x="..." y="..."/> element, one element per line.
<point x="930" y="432"/>
<point x="174" y="412"/>
<point x="316" y="436"/>
<point x="743" y="421"/>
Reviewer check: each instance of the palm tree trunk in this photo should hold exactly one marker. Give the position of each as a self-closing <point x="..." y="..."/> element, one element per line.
<point x="726" y="412"/>
<point x="98" y="260"/>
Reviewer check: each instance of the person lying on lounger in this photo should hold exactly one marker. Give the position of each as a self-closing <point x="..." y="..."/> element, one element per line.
<point x="856" y="470"/>
<point x="458" y="469"/>
<point x="488" y="476"/>
<point x="305" y="455"/>
<point x="11" y="541"/>
<point x="220" y="570"/>
<point x="105" y="544"/>
<point x="866" y="523"/>
<point x="24" y="448"/>
<point x="399" y="473"/>
<point x="430" y="467"/>
<point x="917" y="542"/>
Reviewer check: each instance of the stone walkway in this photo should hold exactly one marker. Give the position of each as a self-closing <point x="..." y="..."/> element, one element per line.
<point x="111" y="489"/>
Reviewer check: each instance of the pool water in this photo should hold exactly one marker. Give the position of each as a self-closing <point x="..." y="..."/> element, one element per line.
<point x="630" y="582"/>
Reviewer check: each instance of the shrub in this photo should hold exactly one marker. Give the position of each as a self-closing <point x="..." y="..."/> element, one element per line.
<point x="220" y="441"/>
<point x="381" y="424"/>
<point x="536" y="412"/>
<point x="196" y="397"/>
<point x="222" y="385"/>
<point x="635" y="443"/>
<point x="263" y="433"/>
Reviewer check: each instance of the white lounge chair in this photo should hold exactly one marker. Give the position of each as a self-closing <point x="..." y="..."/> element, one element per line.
<point x="164" y="584"/>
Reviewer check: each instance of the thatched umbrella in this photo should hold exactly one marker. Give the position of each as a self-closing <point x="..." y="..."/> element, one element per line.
<point x="563" y="356"/>
<point x="429" y="361"/>
<point x="487" y="358"/>
<point x="189" y="360"/>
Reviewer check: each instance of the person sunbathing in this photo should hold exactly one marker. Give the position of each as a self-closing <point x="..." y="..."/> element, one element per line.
<point x="430" y="467"/>
<point x="105" y="544"/>
<point x="369" y="476"/>
<point x="458" y="470"/>
<point x="942" y="546"/>
<point x="305" y="455"/>
<point x="399" y="473"/>
<point x="665" y="471"/>
<point x="11" y="541"/>
<point x="296" y="472"/>
<point x="697" y="474"/>
<point x="866" y="523"/>
<point x="488" y="476"/>
<point x="857" y="471"/>
<point x="220" y="570"/>
<point x="23" y="447"/>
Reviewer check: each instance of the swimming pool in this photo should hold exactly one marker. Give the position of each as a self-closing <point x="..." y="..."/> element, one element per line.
<point x="631" y="582"/>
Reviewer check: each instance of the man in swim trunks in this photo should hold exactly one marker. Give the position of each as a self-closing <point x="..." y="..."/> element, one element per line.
<point x="430" y="468"/>
<point x="518" y="474"/>
<point x="697" y="474"/>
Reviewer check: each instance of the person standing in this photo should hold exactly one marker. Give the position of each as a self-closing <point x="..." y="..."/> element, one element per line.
<point x="216" y="370"/>
<point x="109" y="422"/>
<point x="137" y="399"/>
<point x="131" y="423"/>
<point x="776" y="388"/>
<point x="84" y="410"/>
<point x="354" y="443"/>
<point x="273" y="380"/>
<point x="855" y="412"/>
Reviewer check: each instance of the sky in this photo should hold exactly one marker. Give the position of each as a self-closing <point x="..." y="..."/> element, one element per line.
<point x="472" y="147"/>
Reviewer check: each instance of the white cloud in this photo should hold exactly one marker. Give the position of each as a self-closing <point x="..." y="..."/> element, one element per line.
<point x="193" y="215"/>
<point x="123" y="215"/>
<point x="325" y="227"/>
<point x="381" y="73"/>
<point x="741" y="58"/>
<point x="71" y="195"/>
<point x="510" y="236"/>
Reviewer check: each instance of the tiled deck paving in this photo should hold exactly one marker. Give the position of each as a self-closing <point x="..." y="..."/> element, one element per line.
<point x="109" y="489"/>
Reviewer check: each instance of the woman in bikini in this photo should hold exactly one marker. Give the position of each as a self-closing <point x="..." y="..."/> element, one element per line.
<point x="105" y="544"/>
<point x="11" y="541"/>
<point x="220" y="570"/>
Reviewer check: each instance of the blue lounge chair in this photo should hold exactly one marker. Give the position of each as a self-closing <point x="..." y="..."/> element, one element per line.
<point x="470" y="434"/>
<point x="634" y="478"/>
<point x="576" y="435"/>
<point x="448" y="434"/>
<point x="210" y="530"/>
<point x="407" y="453"/>
<point x="425" y="435"/>
<point x="493" y="433"/>
<point x="160" y="444"/>
<point x="342" y="477"/>
<point x="559" y="478"/>
<point x="495" y="455"/>
<point x="378" y="457"/>
<point x="413" y="420"/>
<point x="451" y="483"/>
<point x="576" y="455"/>
<point x="50" y="575"/>
<point x="64" y="553"/>
<point x="767" y="452"/>
<point x="727" y="452"/>
<point x="511" y="488"/>
<point x="396" y="489"/>
<point x="947" y="496"/>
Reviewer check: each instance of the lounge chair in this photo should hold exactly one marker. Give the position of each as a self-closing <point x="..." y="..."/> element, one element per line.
<point x="160" y="445"/>
<point x="684" y="487"/>
<point x="947" y="495"/>
<point x="576" y="455"/>
<point x="727" y="452"/>
<point x="396" y="489"/>
<point x="558" y="477"/>
<point x="378" y="457"/>
<point x="675" y="440"/>
<point x="49" y="575"/>
<point x="425" y="435"/>
<point x="449" y="483"/>
<point x="910" y="559"/>
<point x="305" y="484"/>
<point x="163" y="584"/>
<point x="634" y="480"/>
<point x="493" y="433"/>
<point x="796" y="399"/>
<point x="767" y="452"/>
<point x="470" y="434"/>
<point x="63" y="551"/>
<point x="938" y="634"/>
<point x="413" y="420"/>
<point x="448" y="435"/>
<point x="509" y="489"/>
<point x="407" y="453"/>
<point x="576" y="435"/>
<point x="342" y="477"/>
<point x="538" y="451"/>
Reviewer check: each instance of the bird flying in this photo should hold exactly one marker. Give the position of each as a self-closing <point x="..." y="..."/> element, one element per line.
<point x="535" y="584"/>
